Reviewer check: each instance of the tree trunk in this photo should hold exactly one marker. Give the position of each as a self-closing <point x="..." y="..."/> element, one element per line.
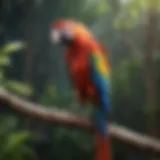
<point x="150" y="72"/>
<point x="29" y="53"/>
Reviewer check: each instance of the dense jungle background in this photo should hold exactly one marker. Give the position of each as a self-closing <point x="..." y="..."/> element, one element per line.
<point x="32" y="67"/>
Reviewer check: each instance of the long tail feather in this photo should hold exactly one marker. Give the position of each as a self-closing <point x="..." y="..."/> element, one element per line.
<point x="102" y="148"/>
<point x="102" y="145"/>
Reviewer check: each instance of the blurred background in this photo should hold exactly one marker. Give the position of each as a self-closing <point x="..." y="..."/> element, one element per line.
<point x="32" y="67"/>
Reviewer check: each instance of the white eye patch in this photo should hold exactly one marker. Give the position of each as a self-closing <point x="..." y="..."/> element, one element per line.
<point x="56" y="36"/>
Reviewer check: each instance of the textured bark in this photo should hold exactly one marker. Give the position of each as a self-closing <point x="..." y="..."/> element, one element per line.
<point x="67" y="119"/>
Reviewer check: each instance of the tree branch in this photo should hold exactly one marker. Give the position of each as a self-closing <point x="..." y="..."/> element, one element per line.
<point x="68" y="119"/>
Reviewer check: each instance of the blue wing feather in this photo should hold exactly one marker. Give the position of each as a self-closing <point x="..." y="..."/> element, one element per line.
<point x="102" y="85"/>
<point x="101" y="81"/>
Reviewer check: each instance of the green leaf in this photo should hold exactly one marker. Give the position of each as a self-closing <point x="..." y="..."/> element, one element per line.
<point x="4" y="60"/>
<point x="19" y="87"/>
<point x="12" y="47"/>
<point x="15" y="140"/>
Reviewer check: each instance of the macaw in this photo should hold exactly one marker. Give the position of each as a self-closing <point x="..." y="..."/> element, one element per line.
<point x="89" y="70"/>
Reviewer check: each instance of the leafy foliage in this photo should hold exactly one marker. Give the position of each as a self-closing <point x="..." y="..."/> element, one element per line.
<point x="11" y="85"/>
<point x="13" y="143"/>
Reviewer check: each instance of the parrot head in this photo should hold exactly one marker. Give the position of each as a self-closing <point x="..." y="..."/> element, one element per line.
<point x="69" y="31"/>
